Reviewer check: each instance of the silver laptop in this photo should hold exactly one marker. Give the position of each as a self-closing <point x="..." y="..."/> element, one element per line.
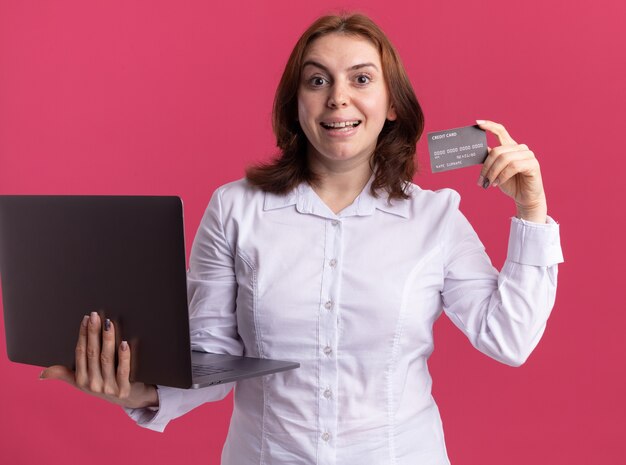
<point x="62" y="257"/>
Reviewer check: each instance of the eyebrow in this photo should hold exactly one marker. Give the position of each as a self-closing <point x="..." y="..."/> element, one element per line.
<point x="321" y="66"/>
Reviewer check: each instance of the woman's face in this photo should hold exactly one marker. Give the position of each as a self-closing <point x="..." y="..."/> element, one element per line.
<point x="343" y="100"/>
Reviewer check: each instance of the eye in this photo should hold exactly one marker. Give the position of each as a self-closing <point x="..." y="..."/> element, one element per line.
<point x="317" y="81"/>
<point x="363" y="79"/>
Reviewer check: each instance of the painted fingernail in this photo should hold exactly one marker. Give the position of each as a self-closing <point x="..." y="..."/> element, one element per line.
<point x="480" y="121"/>
<point x="107" y="324"/>
<point x="486" y="183"/>
<point x="85" y="321"/>
<point x="124" y="346"/>
<point x="481" y="178"/>
<point x="93" y="318"/>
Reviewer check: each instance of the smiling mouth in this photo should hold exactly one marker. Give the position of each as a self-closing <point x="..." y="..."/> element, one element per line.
<point x="341" y="125"/>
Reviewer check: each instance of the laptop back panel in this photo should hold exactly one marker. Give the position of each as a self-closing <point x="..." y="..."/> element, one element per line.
<point x="62" y="257"/>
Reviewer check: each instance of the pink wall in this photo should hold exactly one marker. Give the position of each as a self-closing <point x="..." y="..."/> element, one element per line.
<point x="157" y="97"/>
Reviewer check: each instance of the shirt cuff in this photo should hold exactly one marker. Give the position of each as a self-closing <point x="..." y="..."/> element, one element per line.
<point x="534" y="243"/>
<point x="154" y="418"/>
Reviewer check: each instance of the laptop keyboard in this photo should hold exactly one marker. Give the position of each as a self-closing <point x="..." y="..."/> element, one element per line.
<point x="203" y="370"/>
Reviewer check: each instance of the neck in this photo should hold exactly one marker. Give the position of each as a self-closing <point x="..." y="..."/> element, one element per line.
<point x="338" y="186"/>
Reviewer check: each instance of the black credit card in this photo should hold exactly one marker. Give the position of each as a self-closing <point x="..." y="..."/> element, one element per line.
<point x="457" y="148"/>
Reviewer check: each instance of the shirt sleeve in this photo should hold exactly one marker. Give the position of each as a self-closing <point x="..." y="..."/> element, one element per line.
<point x="211" y="294"/>
<point x="503" y="314"/>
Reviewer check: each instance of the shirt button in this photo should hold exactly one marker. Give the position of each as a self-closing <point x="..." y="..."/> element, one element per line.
<point x="333" y="263"/>
<point x="328" y="305"/>
<point x="328" y="350"/>
<point x="328" y="393"/>
<point x="334" y="222"/>
<point x="326" y="437"/>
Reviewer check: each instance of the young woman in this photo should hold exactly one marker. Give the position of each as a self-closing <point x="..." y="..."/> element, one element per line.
<point x="332" y="257"/>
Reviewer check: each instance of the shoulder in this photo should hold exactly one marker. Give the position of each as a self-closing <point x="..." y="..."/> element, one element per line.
<point x="433" y="201"/>
<point x="236" y="199"/>
<point x="237" y="192"/>
<point x="236" y="189"/>
<point x="418" y="193"/>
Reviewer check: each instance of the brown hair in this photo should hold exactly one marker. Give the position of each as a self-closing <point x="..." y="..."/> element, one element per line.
<point x="395" y="148"/>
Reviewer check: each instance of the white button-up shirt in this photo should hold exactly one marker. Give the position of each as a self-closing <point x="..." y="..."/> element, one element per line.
<point x="353" y="297"/>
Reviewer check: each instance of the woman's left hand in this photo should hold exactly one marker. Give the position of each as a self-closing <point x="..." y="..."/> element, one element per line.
<point x="514" y="168"/>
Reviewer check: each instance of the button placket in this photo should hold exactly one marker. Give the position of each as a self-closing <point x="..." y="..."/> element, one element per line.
<point x="328" y="333"/>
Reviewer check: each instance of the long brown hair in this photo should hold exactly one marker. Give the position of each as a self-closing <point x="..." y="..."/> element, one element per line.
<point x="395" y="148"/>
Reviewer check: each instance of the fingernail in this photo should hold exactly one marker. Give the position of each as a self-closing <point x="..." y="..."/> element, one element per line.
<point x="495" y="183"/>
<point x="486" y="183"/>
<point x="480" y="121"/>
<point x="93" y="318"/>
<point x="481" y="178"/>
<point x="85" y="320"/>
<point x="41" y="376"/>
<point x="107" y="324"/>
<point x="124" y="346"/>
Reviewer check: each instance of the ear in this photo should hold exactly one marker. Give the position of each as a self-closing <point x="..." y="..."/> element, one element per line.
<point x="391" y="113"/>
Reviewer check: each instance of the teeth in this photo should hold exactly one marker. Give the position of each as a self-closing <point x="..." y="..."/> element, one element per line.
<point x="341" y="124"/>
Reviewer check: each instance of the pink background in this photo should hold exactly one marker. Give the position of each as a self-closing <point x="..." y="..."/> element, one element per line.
<point x="157" y="97"/>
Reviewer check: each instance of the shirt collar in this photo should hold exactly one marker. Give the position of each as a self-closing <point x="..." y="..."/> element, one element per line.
<point x="307" y="201"/>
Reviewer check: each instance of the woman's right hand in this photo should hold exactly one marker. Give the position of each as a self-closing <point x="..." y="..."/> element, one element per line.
<point x="96" y="373"/>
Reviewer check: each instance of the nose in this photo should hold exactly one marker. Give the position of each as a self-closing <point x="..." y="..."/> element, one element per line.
<point x="338" y="96"/>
